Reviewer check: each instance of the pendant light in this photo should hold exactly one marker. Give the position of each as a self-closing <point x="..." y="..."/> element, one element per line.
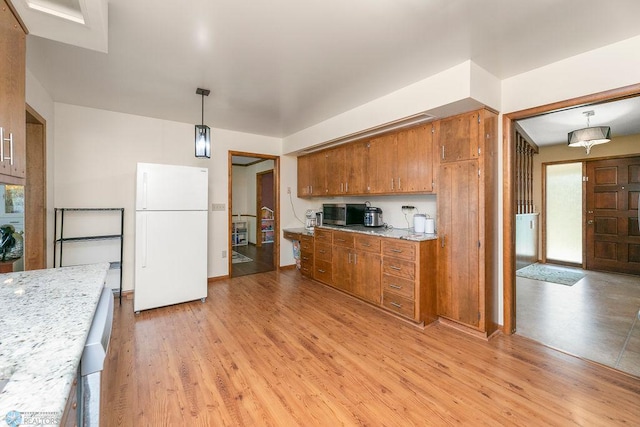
<point x="203" y="133"/>
<point x="589" y="136"/>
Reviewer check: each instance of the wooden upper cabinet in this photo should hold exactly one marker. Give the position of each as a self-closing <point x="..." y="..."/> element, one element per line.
<point x="415" y="149"/>
<point x="459" y="137"/>
<point x="381" y="164"/>
<point x="12" y="96"/>
<point x="312" y="174"/>
<point x="355" y="167"/>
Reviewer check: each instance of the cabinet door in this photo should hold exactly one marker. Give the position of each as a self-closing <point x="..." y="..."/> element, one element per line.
<point x="366" y="283"/>
<point x="342" y="276"/>
<point x="336" y="164"/>
<point x="459" y="138"/>
<point x="318" y="173"/>
<point x="355" y="166"/>
<point x="304" y="181"/>
<point x="381" y="164"/>
<point x="458" y="254"/>
<point x="12" y="92"/>
<point x="415" y="155"/>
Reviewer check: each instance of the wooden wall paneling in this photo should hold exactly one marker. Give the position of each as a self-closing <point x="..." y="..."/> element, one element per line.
<point x="35" y="195"/>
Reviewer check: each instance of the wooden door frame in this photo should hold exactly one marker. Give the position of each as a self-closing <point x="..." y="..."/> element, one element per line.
<point x="508" y="186"/>
<point x="276" y="202"/>
<point x="36" y="151"/>
<point x="259" y="202"/>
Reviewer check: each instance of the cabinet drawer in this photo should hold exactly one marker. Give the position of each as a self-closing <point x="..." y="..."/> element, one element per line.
<point x="306" y="269"/>
<point x="306" y="257"/>
<point x="399" y="286"/>
<point x="291" y="236"/>
<point x="322" y="271"/>
<point x="398" y="304"/>
<point x="306" y="243"/>
<point x="398" y="267"/>
<point x="323" y="236"/>
<point x="368" y="243"/>
<point x="323" y="252"/>
<point x="399" y="249"/>
<point x="343" y="238"/>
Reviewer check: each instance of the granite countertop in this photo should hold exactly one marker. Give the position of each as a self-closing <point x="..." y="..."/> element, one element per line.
<point x="44" y="323"/>
<point x="394" y="233"/>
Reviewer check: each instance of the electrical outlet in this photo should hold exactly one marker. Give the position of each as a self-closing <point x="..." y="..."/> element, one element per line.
<point x="224" y="254"/>
<point x="218" y="207"/>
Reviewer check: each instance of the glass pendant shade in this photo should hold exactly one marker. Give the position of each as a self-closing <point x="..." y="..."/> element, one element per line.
<point x="589" y="136"/>
<point x="203" y="141"/>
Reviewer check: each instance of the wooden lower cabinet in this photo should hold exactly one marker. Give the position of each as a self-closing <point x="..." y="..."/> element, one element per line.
<point x="393" y="274"/>
<point x="306" y="255"/>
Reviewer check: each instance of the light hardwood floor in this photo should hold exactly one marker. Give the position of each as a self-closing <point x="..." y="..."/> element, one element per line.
<point x="596" y="318"/>
<point x="275" y="349"/>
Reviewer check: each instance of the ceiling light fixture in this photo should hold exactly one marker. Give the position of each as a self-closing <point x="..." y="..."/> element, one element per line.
<point x="589" y="136"/>
<point x="203" y="133"/>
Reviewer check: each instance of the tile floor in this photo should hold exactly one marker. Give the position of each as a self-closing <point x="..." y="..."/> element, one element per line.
<point x="597" y="318"/>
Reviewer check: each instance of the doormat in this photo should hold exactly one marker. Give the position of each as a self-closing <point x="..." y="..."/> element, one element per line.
<point x="237" y="258"/>
<point x="551" y="274"/>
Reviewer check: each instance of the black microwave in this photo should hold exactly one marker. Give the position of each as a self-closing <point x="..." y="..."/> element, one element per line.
<point x="343" y="213"/>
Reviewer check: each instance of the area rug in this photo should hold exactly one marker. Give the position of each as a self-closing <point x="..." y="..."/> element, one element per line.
<point x="551" y="274"/>
<point x="237" y="258"/>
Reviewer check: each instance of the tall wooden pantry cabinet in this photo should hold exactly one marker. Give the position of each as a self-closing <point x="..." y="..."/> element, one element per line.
<point x="467" y="215"/>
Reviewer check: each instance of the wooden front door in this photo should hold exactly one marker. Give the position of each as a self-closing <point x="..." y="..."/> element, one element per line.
<point x="612" y="235"/>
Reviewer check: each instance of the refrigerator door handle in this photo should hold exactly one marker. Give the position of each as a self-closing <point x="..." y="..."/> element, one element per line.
<point x="144" y="241"/>
<point x="144" y="190"/>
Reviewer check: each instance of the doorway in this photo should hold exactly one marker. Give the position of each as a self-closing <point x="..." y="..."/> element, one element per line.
<point x="253" y="213"/>
<point x="596" y="317"/>
<point x="509" y="201"/>
<point x="35" y="192"/>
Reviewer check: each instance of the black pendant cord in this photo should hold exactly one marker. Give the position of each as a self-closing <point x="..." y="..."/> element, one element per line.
<point x="202" y="120"/>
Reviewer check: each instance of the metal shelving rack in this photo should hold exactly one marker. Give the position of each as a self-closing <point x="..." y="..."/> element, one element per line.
<point x="61" y="239"/>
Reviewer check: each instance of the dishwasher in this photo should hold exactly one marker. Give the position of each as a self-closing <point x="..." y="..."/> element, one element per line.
<point x="92" y="361"/>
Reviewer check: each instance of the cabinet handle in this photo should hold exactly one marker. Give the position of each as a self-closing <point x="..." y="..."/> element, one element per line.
<point x="391" y="183"/>
<point x="349" y="257"/>
<point x="305" y="258"/>
<point x="340" y="240"/>
<point x="311" y="189"/>
<point x="2" y="141"/>
<point x="395" y="304"/>
<point x="393" y="267"/>
<point x="321" y="270"/>
<point x="321" y="251"/>
<point x="341" y="187"/>
<point x="398" y="251"/>
<point x="355" y="258"/>
<point x="443" y="152"/>
<point x="366" y="245"/>
<point x="346" y="187"/>
<point x="442" y="242"/>
<point x="399" y="184"/>
<point x="395" y="286"/>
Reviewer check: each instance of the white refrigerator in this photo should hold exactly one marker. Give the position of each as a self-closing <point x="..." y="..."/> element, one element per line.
<point x="170" y="235"/>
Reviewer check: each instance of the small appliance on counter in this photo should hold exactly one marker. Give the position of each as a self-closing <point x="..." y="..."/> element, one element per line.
<point x="319" y="218"/>
<point x="343" y="213"/>
<point x="310" y="220"/>
<point x="373" y="217"/>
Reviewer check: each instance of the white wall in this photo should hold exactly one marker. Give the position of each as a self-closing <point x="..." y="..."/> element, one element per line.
<point x="96" y="155"/>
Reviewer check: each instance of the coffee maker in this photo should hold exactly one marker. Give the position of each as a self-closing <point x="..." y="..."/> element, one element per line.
<point x="310" y="220"/>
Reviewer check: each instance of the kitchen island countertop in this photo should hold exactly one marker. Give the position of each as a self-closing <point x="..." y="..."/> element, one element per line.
<point x="44" y="325"/>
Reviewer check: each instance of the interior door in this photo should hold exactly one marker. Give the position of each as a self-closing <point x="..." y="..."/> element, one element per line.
<point x="612" y="235"/>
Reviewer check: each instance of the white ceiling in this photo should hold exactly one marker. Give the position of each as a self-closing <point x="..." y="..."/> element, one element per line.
<point x="276" y="67"/>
